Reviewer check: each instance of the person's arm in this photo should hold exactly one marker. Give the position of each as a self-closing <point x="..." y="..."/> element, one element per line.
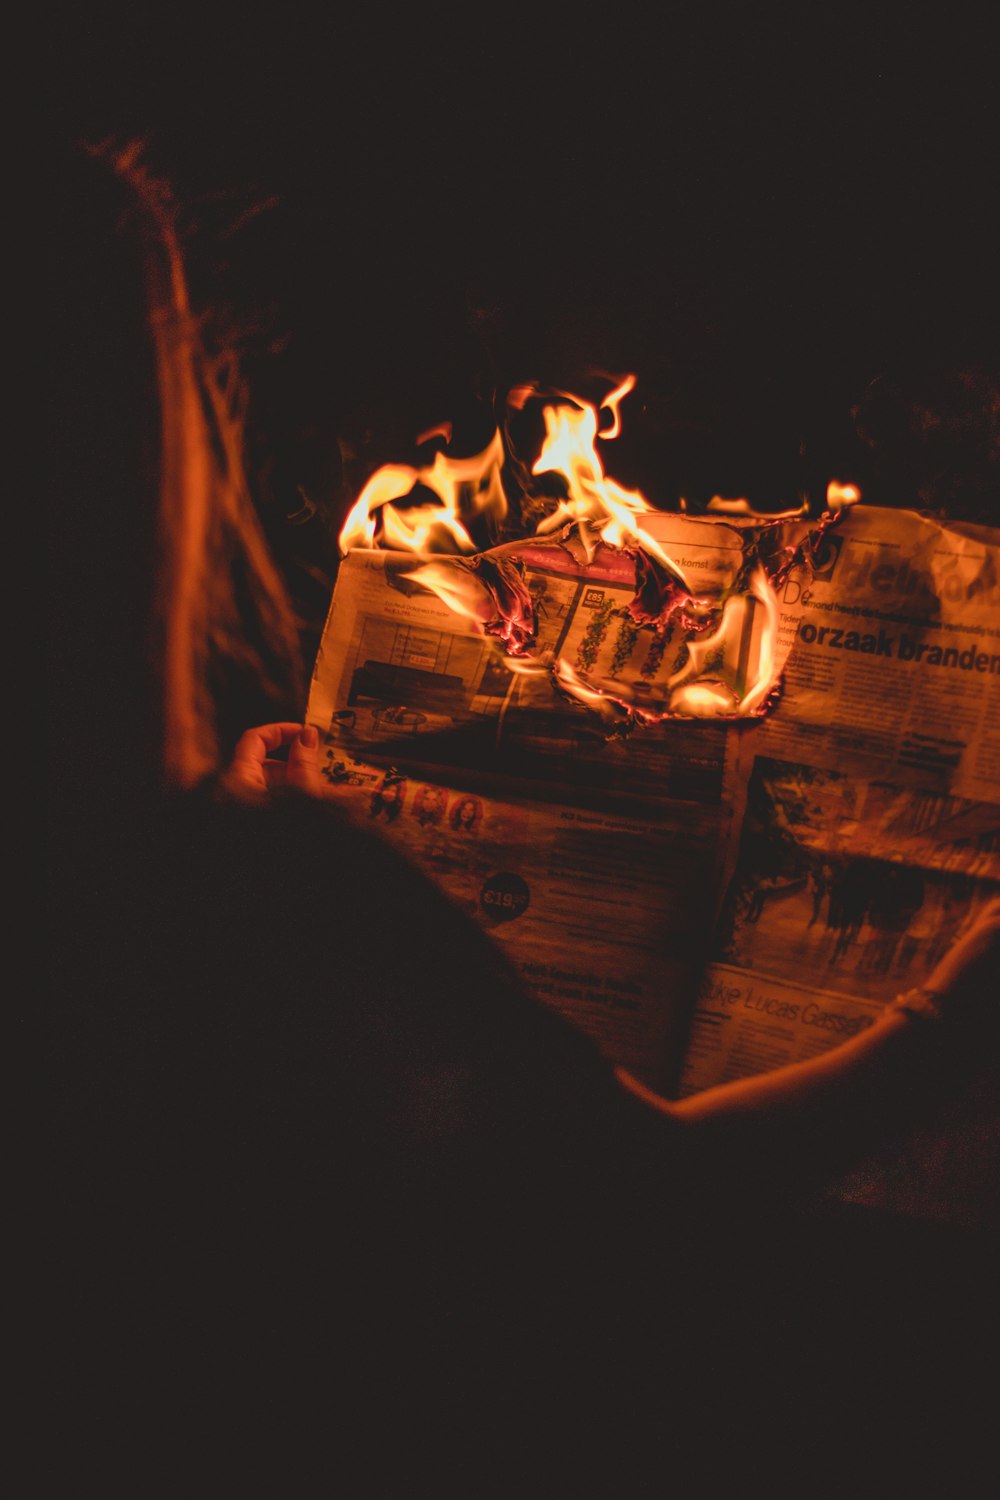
<point x="810" y="1118"/>
<point x="782" y="1129"/>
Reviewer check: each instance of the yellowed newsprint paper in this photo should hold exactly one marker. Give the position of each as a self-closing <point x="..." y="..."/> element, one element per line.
<point x="869" y="830"/>
<point x="842" y="840"/>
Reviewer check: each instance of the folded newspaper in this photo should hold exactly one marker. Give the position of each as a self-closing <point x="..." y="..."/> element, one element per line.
<point x="715" y="848"/>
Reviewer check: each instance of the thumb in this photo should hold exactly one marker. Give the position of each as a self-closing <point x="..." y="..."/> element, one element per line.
<point x="303" y="761"/>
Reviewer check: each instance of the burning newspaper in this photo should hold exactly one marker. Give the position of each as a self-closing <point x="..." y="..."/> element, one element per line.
<point x="842" y="835"/>
<point x="721" y="785"/>
<point x="868" y="817"/>
<point x="591" y="854"/>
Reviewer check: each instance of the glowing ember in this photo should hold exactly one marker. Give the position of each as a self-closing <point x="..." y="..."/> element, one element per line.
<point x="697" y="691"/>
<point x="838" y="495"/>
<point x="598" y="504"/>
<point x="721" y="621"/>
<point x="567" y="678"/>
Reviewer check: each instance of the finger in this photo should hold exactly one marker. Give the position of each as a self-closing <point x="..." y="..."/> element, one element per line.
<point x="303" y="761"/>
<point x="245" y="778"/>
<point x="256" y="744"/>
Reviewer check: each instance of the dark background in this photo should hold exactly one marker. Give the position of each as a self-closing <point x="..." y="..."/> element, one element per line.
<point x="782" y="225"/>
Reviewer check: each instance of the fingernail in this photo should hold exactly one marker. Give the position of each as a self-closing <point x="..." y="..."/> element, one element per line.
<point x="309" y="737"/>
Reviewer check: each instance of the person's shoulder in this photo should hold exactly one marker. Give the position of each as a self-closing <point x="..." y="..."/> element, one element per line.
<point x="298" y="874"/>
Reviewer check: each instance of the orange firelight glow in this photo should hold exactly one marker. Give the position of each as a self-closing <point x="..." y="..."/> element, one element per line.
<point x="725" y="660"/>
<point x="466" y="487"/>
<point x="601" y="507"/>
<point x="838" y="495"/>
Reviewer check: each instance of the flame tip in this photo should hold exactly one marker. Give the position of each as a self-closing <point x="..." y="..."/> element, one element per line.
<point x="490" y="591"/>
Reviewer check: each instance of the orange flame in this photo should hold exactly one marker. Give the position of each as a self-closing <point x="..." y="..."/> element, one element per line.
<point x="741" y="506"/>
<point x="767" y="674"/>
<point x="729" y="666"/>
<point x="695" y="691"/>
<point x="463" y="593"/>
<point x="469" y="486"/>
<point x="599" y="505"/>
<point x="838" y="495"/>
<point x="611" y="403"/>
<point x="569" y="679"/>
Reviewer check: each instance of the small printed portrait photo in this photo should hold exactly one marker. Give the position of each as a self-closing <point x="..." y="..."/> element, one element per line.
<point x="388" y="797"/>
<point x="335" y="771"/>
<point x="466" y="815"/>
<point x="429" y="805"/>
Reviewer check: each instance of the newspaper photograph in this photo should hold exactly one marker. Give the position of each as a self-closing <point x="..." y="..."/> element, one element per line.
<point x="843" y="895"/>
<point x="869" y="830"/>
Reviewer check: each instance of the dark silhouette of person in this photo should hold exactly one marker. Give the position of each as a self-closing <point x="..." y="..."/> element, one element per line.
<point x="850" y="895"/>
<point x="330" y="1199"/>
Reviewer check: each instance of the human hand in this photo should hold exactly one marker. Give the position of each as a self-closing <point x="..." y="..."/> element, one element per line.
<point x="252" y="775"/>
<point x="969" y="970"/>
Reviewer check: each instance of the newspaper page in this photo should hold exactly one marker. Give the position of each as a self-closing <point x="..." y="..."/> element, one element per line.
<point x="842" y="840"/>
<point x="870" y="832"/>
<point x="593" y="859"/>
